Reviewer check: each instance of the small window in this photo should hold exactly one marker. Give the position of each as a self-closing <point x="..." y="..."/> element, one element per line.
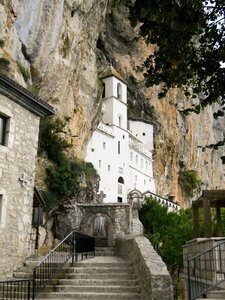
<point x="146" y="165"/>
<point x="121" y="180"/>
<point x="109" y="167"/>
<point x="92" y="149"/>
<point x="1" y="207"/>
<point x="104" y="145"/>
<point x="2" y="211"/>
<point x="120" y="121"/>
<point x="144" y="182"/>
<point x="124" y="137"/>
<point x="131" y="156"/>
<point x="119" y="91"/>
<point x="142" y="163"/>
<point x="103" y="91"/>
<point x="3" y="121"/>
<point x="119" y="199"/>
<point x="118" y="147"/>
<point x="143" y="133"/>
<point x="99" y="163"/>
<point x="136" y="159"/>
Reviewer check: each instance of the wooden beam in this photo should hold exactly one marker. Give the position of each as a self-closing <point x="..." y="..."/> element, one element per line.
<point x="196" y="221"/>
<point x="207" y="218"/>
<point x="219" y="223"/>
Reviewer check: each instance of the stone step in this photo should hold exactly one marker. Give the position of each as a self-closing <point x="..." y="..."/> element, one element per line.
<point x="220" y="294"/>
<point x="97" y="270"/>
<point x="99" y="276"/>
<point x="112" y="263"/>
<point x="104" y="281"/>
<point x="95" y="289"/>
<point x="93" y="296"/>
<point x="105" y="251"/>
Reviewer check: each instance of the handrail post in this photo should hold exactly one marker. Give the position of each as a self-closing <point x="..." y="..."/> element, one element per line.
<point x="28" y="290"/>
<point x="34" y="283"/>
<point x="189" y="280"/>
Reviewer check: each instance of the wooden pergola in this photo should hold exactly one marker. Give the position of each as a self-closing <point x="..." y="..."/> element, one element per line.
<point x="209" y="199"/>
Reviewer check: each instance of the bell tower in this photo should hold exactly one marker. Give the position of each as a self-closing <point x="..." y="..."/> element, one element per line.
<point x="114" y="98"/>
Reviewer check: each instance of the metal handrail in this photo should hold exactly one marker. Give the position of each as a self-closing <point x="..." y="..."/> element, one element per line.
<point x="16" y="289"/>
<point x="71" y="247"/>
<point x="206" y="271"/>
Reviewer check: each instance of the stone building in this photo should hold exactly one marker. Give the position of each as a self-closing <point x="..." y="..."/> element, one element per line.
<point x="121" y="149"/>
<point x="20" y="113"/>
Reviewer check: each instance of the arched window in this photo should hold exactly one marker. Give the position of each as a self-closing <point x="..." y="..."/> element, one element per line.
<point x="142" y="163"/>
<point x="119" y="91"/>
<point x="118" y="147"/>
<point x="121" y="180"/>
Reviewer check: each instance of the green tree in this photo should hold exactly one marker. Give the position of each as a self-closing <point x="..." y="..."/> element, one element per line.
<point x="168" y="232"/>
<point x="190" y="48"/>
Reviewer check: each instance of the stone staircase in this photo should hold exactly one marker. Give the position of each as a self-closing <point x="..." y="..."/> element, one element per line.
<point x="105" y="276"/>
<point x="214" y="295"/>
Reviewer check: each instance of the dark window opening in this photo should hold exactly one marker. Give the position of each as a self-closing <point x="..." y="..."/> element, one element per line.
<point x="119" y="199"/>
<point x="121" y="180"/>
<point x="3" y="121"/>
<point x="118" y="147"/>
<point x="103" y="91"/>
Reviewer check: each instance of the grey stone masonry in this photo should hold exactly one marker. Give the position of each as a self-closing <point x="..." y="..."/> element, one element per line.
<point x="21" y="113"/>
<point x="153" y="275"/>
<point x="117" y="216"/>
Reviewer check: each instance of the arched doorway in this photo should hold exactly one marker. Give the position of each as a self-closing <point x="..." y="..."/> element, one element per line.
<point x="100" y="226"/>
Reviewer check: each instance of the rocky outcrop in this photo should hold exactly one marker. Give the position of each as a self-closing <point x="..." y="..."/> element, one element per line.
<point x="56" y="48"/>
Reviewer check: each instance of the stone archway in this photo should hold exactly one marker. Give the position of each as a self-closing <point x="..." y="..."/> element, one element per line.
<point x="100" y="226"/>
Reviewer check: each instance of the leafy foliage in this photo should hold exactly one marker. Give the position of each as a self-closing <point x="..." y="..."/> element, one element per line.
<point x="189" y="36"/>
<point x="190" y="39"/>
<point x="52" y="138"/>
<point x="63" y="175"/>
<point x="168" y="232"/>
<point x="188" y="179"/>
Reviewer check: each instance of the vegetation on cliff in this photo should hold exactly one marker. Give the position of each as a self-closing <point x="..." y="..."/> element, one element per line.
<point x="63" y="174"/>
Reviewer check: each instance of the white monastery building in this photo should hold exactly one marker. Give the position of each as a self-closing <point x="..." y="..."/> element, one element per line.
<point x="121" y="149"/>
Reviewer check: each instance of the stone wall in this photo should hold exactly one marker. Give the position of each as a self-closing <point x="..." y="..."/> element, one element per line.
<point x="117" y="217"/>
<point x="17" y="160"/>
<point x="207" y="267"/>
<point x="152" y="272"/>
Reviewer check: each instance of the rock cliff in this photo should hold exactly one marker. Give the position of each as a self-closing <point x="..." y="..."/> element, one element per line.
<point x="56" y="49"/>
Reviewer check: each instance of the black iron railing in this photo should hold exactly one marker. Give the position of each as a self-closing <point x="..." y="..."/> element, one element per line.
<point x="206" y="271"/>
<point x="76" y="245"/>
<point x="15" y="289"/>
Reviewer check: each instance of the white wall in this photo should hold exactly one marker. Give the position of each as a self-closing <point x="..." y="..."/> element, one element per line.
<point x="143" y="131"/>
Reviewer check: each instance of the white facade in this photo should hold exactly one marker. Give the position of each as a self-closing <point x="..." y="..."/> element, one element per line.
<point x="122" y="157"/>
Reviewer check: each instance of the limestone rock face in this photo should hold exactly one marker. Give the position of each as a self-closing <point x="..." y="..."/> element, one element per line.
<point x="55" y="42"/>
<point x="56" y="48"/>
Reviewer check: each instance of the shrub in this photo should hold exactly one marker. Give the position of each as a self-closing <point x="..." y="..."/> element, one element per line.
<point x="25" y="73"/>
<point x="189" y="181"/>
